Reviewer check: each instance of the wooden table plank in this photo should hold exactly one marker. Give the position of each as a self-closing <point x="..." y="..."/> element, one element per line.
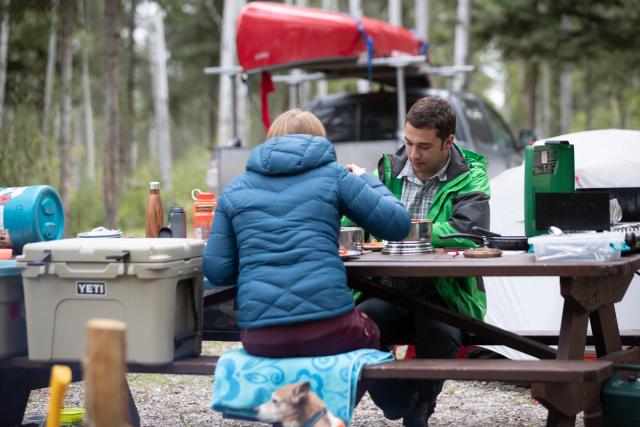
<point x="442" y="265"/>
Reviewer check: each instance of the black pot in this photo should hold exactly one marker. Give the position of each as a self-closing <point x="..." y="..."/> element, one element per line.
<point x="505" y="243"/>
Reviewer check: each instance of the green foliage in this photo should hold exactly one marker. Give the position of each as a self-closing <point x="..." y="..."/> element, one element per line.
<point x="26" y="158"/>
<point x="188" y="173"/>
<point x="85" y="210"/>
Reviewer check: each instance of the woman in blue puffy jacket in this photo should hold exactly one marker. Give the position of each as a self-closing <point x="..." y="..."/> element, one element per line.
<point x="275" y="235"/>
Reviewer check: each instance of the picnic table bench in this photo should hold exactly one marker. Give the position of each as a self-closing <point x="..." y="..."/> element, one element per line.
<point x="578" y="382"/>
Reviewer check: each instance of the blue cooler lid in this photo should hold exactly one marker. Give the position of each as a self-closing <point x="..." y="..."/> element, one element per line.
<point x="8" y="268"/>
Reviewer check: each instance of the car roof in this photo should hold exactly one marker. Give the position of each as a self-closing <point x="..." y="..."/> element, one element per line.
<point x="412" y="95"/>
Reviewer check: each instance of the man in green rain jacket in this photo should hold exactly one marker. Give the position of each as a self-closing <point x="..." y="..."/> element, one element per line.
<point x="437" y="180"/>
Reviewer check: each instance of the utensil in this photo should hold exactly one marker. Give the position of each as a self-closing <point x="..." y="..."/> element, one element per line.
<point x="555" y="230"/>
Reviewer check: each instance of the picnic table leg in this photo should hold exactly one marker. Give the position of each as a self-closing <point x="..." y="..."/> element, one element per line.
<point x="604" y="325"/>
<point x="565" y="400"/>
<point x="15" y="387"/>
<point x="581" y="303"/>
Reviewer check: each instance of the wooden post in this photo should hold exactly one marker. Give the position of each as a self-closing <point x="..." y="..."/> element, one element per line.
<point x="104" y="373"/>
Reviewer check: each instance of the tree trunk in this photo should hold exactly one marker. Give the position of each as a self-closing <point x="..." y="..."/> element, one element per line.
<point x="77" y="168"/>
<point x="87" y="108"/>
<point x="4" y="48"/>
<point x="544" y="130"/>
<point x="227" y="59"/>
<point x="111" y="162"/>
<point x="159" y="81"/>
<point x="622" y="107"/>
<point x="322" y="88"/>
<point x="51" y="62"/>
<point x="395" y="13"/>
<point x="461" y="45"/>
<point x="66" y="12"/>
<point x="355" y="10"/>
<point x="530" y="82"/>
<point x="588" y="96"/>
<point x="566" y="100"/>
<point x="422" y="19"/>
<point x="129" y="135"/>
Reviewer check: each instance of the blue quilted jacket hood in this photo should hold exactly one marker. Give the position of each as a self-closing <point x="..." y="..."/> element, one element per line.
<point x="290" y="155"/>
<point x="276" y="228"/>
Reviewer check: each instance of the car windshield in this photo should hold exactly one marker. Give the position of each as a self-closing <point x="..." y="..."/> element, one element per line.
<point x="500" y="131"/>
<point x="339" y="121"/>
<point x="475" y="118"/>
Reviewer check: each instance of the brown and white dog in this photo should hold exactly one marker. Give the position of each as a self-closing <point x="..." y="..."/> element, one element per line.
<point x="294" y="405"/>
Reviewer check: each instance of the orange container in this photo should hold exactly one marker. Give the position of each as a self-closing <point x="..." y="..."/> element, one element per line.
<point x="203" y="208"/>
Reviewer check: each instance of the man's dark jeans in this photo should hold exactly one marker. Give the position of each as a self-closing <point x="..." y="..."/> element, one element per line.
<point x="412" y="400"/>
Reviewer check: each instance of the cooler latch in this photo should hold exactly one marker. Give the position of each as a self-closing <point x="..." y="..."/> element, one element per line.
<point x="43" y="260"/>
<point x="124" y="256"/>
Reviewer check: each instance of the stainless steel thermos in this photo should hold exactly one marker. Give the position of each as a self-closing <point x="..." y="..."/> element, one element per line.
<point x="178" y="222"/>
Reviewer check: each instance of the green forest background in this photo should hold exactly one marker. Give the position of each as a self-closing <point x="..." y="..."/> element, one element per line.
<point x="598" y="41"/>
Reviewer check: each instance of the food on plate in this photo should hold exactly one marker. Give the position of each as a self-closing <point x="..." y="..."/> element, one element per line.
<point x="342" y="251"/>
<point x="374" y="242"/>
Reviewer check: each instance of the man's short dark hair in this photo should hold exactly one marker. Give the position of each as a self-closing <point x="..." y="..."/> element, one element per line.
<point x="432" y="112"/>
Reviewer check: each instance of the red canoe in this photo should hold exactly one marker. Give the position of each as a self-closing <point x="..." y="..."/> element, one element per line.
<point x="272" y="36"/>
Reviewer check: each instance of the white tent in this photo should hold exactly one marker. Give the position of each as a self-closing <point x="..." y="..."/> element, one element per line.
<point x="603" y="158"/>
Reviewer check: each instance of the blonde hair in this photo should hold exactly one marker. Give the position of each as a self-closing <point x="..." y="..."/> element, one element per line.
<point x="296" y="121"/>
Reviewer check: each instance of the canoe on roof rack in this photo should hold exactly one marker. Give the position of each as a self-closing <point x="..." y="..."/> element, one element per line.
<point x="273" y="36"/>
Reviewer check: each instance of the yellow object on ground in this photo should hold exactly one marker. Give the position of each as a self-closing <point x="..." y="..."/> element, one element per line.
<point x="60" y="379"/>
<point x="70" y="416"/>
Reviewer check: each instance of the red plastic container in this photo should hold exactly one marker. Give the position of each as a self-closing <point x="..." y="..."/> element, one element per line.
<point x="203" y="209"/>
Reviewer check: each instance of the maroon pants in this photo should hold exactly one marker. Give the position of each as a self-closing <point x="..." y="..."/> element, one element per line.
<point x="351" y="331"/>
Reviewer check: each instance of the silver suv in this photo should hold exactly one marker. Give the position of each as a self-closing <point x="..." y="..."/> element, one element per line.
<point x="363" y="127"/>
<point x="371" y="118"/>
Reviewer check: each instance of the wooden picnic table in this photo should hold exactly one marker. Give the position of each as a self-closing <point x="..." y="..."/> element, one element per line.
<point x="589" y="290"/>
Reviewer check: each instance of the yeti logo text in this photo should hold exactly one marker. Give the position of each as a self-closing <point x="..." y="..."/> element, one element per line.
<point x="91" y="288"/>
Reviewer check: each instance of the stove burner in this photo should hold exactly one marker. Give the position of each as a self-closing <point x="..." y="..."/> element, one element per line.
<point x="408" y="248"/>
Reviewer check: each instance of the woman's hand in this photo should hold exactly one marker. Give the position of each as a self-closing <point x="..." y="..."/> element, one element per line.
<point x="355" y="169"/>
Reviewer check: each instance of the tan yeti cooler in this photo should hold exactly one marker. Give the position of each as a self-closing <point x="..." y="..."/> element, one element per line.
<point x="153" y="285"/>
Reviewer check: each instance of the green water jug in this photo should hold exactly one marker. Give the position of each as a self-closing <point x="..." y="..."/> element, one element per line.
<point x="621" y="399"/>
<point x="548" y="168"/>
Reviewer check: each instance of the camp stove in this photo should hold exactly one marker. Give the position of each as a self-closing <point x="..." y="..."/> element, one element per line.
<point x="627" y="227"/>
<point x="408" y="248"/>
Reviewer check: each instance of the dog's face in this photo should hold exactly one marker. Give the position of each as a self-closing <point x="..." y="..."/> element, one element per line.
<point x="286" y="404"/>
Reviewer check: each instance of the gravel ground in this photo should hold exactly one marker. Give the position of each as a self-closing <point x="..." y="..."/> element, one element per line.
<point x="182" y="400"/>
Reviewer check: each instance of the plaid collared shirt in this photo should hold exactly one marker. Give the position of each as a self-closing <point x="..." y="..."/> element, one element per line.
<point x="417" y="196"/>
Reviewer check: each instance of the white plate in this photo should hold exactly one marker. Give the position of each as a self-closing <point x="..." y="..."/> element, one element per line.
<point x="350" y="253"/>
<point x="101" y="232"/>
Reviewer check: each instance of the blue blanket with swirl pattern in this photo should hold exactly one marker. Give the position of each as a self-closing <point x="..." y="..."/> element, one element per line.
<point x="242" y="381"/>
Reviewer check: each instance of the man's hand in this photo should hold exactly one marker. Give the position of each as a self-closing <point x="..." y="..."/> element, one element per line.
<point x="355" y="169"/>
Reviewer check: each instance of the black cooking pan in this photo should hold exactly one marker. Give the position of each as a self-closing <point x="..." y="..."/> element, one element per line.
<point x="492" y="240"/>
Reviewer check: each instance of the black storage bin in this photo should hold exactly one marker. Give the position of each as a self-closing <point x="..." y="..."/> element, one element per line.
<point x="628" y="197"/>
